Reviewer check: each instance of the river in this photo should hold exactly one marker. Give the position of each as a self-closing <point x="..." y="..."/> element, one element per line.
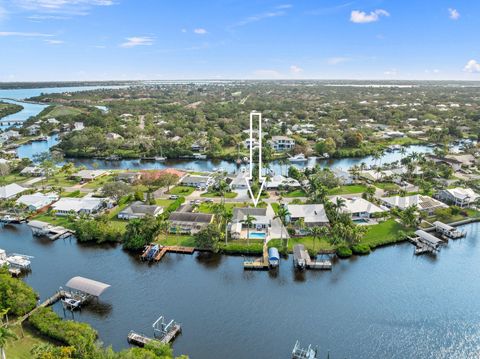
<point x="389" y="304"/>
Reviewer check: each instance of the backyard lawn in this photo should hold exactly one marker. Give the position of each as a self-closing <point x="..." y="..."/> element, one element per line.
<point x="348" y="189"/>
<point x="296" y="193"/>
<point x="383" y="233"/>
<point x="20" y="348"/>
<point x="181" y="190"/>
<point x="216" y="194"/>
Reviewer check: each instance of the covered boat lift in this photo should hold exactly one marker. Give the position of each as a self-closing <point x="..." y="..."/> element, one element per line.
<point x="448" y="231"/>
<point x="81" y="290"/>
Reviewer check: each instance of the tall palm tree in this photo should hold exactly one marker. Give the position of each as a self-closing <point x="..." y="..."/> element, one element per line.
<point x="316" y="233"/>
<point x="226" y="216"/>
<point x="223" y="188"/>
<point x="249" y="219"/>
<point x="5" y="334"/>
<point x="339" y="203"/>
<point x="282" y="214"/>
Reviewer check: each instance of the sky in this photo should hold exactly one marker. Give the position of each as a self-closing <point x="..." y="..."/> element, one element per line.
<point x="66" y="40"/>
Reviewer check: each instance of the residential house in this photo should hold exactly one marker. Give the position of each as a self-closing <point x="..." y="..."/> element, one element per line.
<point x="238" y="182"/>
<point x="312" y="214"/>
<point x="33" y="171"/>
<point x="455" y="164"/>
<point x="262" y="221"/>
<point x="466" y="160"/>
<point x="197" y="147"/>
<point x="89" y="175"/>
<point x="189" y="222"/>
<point x="33" y="130"/>
<point x="139" y="210"/>
<point x="461" y="197"/>
<point x="197" y="181"/>
<point x="78" y="126"/>
<point x="11" y="191"/>
<point x="282" y="143"/>
<point x="129" y="177"/>
<point x="358" y="208"/>
<point x="77" y="206"/>
<point x="37" y="201"/>
<point x="279" y="181"/>
<point x="423" y="203"/>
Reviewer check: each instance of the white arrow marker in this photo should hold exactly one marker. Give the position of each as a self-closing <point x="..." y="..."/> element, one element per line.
<point x="261" y="178"/>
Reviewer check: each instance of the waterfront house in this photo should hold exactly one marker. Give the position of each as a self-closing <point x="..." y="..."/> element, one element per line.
<point x="77" y="206"/>
<point x="89" y="175"/>
<point x="358" y="207"/>
<point x="197" y="147"/>
<point x="238" y="182"/>
<point x="279" y="181"/>
<point x="197" y="181"/>
<point x="33" y="171"/>
<point x="37" y="201"/>
<point x="458" y="196"/>
<point x="312" y="214"/>
<point x="262" y="221"/>
<point x="455" y="164"/>
<point x="423" y="203"/>
<point x="139" y="210"/>
<point x="129" y="177"/>
<point x="282" y="143"/>
<point x="33" y="130"/>
<point x="251" y="142"/>
<point x="11" y="191"/>
<point x="188" y="222"/>
<point x="466" y="160"/>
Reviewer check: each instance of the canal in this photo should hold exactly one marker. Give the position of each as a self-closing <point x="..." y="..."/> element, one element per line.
<point x="390" y="304"/>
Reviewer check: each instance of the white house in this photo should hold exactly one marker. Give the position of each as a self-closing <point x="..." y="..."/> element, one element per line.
<point x="423" y="203"/>
<point x="358" y="207"/>
<point x="36" y="201"/>
<point x="78" y="126"/>
<point x="312" y="214"/>
<point x="282" y="181"/>
<point x="66" y="206"/>
<point x="458" y="196"/>
<point x="197" y="181"/>
<point x="11" y="190"/>
<point x="89" y="175"/>
<point x="262" y="221"/>
<point x="239" y="181"/>
<point x="282" y="143"/>
<point x="140" y="210"/>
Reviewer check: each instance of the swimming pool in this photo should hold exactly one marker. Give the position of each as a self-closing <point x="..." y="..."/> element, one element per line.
<point x="257" y="235"/>
<point x="360" y="220"/>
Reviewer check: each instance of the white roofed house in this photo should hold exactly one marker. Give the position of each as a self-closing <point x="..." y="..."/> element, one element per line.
<point x="423" y="203"/>
<point x="11" y="191"/>
<point x="262" y="222"/>
<point x="78" y="206"/>
<point x="282" y="143"/>
<point x="37" y="201"/>
<point x="312" y="214"/>
<point x="239" y="182"/>
<point x="140" y="210"/>
<point x="32" y="171"/>
<point x="279" y="181"/>
<point x="78" y="126"/>
<point x="358" y="208"/>
<point x="462" y="197"/>
<point x="197" y="181"/>
<point x="89" y="175"/>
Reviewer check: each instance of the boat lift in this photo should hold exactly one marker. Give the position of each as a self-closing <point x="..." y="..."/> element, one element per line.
<point x="165" y="332"/>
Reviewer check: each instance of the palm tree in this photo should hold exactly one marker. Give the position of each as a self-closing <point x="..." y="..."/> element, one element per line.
<point x="226" y="216"/>
<point x="5" y="334"/>
<point x="339" y="203"/>
<point x="249" y="219"/>
<point x="318" y="232"/>
<point x="282" y="214"/>
<point x="223" y="189"/>
<point x="163" y="226"/>
<point x="217" y="210"/>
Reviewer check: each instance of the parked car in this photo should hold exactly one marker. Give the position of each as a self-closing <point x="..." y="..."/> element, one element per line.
<point x="174" y="196"/>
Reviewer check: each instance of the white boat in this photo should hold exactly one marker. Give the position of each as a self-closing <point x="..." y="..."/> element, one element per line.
<point x="160" y="158"/>
<point x="3" y="258"/>
<point x="298" y="158"/>
<point x="18" y="261"/>
<point x="199" y="156"/>
<point x="71" y="303"/>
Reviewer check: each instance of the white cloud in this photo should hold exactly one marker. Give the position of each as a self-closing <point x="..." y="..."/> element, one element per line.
<point x="361" y="17"/>
<point x="54" y="42"/>
<point x="472" y="66"/>
<point x="266" y="74"/>
<point x="337" y="60"/>
<point x="260" y="17"/>
<point x="294" y="69"/>
<point x="23" y="34"/>
<point x="453" y="14"/>
<point x="70" y="7"/>
<point x="137" y="41"/>
<point x="200" y="31"/>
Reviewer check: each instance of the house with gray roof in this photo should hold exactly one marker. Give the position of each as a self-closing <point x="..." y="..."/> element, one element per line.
<point x="139" y="210"/>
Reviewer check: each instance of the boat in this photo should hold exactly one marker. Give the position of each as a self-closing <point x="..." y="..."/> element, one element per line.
<point x="112" y="158"/>
<point x="160" y="158"/>
<point x="70" y="303"/>
<point x="3" y="258"/>
<point x="298" y="158"/>
<point x="19" y="261"/>
<point x="199" y="156"/>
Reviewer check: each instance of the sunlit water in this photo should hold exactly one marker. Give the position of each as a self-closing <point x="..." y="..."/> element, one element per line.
<point x="390" y="304"/>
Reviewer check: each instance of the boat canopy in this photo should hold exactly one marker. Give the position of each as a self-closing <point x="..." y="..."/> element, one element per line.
<point x="88" y="286"/>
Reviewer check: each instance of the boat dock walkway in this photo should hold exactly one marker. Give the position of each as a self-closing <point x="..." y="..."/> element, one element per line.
<point x="48" y="230"/>
<point x="258" y="264"/>
<point x="302" y="260"/>
<point x="46" y="303"/>
<point x="141" y="340"/>
<point x="165" y="249"/>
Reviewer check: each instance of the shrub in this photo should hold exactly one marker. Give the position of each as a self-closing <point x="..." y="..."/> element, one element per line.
<point x="361" y="249"/>
<point x="344" y="252"/>
<point x="174" y="205"/>
<point x="15" y="294"/>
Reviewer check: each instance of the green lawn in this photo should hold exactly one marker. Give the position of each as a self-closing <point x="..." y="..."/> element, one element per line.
<point x="20" y="348"/>
<point x="61" y="110"/>
<point x="208" y="207"/>
<point x="181" y="190"/>
<point x="348" y="189"/>
<point x="296" y="193"/>
<point x="59" y="179"/>
<point x="176" y="240"/>
<point x="13" y="178"/>
<point x="99" y="182"/>
<point x="216" y="194"/>
<point x="387" y="186"/>
<point x="55" y="220"/>
<point x="275" y="207"/>
<point x="164" y="202"/>
<point x="383" y="233"/>
<point x="320" y="244"/>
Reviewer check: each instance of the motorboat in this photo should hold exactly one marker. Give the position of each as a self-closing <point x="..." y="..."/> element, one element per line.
<point x="71" y="303"/>
<point x="18" y="261"/>
<point x="298" y="158"/>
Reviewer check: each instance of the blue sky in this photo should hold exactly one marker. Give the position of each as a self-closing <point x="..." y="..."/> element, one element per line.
<point x="238" y="39"/>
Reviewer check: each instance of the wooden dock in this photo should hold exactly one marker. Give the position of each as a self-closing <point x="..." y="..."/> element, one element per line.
<point x="173" y="249"/>
<point x="138" y="339"/>
<point x="49" y="301"/>
<point x="258" y="264"/>
<point x="172" y="334"/>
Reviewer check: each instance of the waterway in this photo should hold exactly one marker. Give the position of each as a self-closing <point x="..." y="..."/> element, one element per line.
<point x="389" y="304"/>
